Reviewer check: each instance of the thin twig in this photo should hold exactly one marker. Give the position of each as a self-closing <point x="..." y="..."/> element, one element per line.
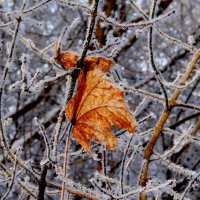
<point x="8" y="24"/>
<point x="42" y="182"/>
<point x="61" y="119"/>
<point x="88" y="39"/>
<point x="26" y="190"/>
<point x="193" y="107"/>
<point x="123" y="166"/>
<point x="65" y="164"/>
<point x="30" y="9"/>
<point x="13" y="178"/>
<point x="43" y="134"/>
<point x="113" y="22"/>
<point x="151" y="56"/>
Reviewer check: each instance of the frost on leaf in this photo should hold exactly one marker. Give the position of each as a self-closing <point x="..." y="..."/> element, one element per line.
<point x="97" y="106"/>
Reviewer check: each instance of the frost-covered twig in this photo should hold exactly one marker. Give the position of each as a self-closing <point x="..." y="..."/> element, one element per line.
<point x="123" y="167"/>
<point x="176" y="195"/>
<point x="188" y="83"/>
<point x="150" y="22"/>
<point x="13" y="178"/>
<point x="193" y="107"/>
<point x="176" y="41"/>
<point x="66" y="162"/>
<point x="137" y="110"/>
<point x="165" y="35"/>
<point x="181" y="141"/>
<point x="30" y="45"/>
<point x="50" y="81"/>
<point x="4" y="171"/>
<point x="185" y="119"/>
<point x="139" y="10"/>
<point x="24" y="76"/>
<point x="43" y="134"/>
<point x="8" y="24"/>
<point x="166" y="186"/>
<point x="25" y="189"/>
<point x="29" y="10"/>
<point x="42" y="182"/>
<point x="133" y="154"/>
<point x="176" y="168"/>
<point x="88" y="38"/>
<point x="145" y="93"/>
<point x="113" y="23"/>
<point x="60" y="120"/>
<point x="67" y="30"/>
<point x="191" y="138"/>
<point x="157" y="72"/>
<point x="189" y="185"/>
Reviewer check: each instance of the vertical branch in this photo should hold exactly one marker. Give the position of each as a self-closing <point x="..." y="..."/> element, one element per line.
<point x="151" y="56"/>
<point x="42" y="182"/>
<point x="104" y="162"/>
<point x="65" y="164"/>
<point x="88" y="39"/>
<point x="68" y="94"/>
<point x="61" y="116"/>
<point x="13" y="178"/>
<point x="150" y="38"/>
<point x="43" y="134"/>
<point x="123" y="166"/>
<point x="75" y="75"/>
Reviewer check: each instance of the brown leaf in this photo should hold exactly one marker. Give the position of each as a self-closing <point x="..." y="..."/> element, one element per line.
<point x="97" y="106"/>
<point x="98" y="62"/>
<point x="69" y="59"/>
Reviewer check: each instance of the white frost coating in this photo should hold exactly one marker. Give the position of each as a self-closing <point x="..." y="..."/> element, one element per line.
<point x="177" y="196"/>
<point x="84" y="190"/>
<point x="191" y="39"/>
<point x="180" y="142"/>
<point x="158" y="188"/>
<point x="24" y="83"/>
<point x="69" y="29"/>
<point x="176" y="168"/>
<point x="7" y="122"/>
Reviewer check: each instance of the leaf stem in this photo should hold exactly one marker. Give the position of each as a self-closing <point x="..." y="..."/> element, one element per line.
<point x="65" y="164"/>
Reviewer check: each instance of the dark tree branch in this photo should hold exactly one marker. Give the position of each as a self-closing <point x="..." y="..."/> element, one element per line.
<point x="42" y="183"/>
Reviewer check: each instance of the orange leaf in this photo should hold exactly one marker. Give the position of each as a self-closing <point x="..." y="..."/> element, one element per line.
<point x="103" y="63"/>
<point x="97" y="106"/>
<point x="69" y="59"/>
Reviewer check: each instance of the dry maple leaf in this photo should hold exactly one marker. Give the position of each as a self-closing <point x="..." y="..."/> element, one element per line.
<point x="97" y="106"/>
